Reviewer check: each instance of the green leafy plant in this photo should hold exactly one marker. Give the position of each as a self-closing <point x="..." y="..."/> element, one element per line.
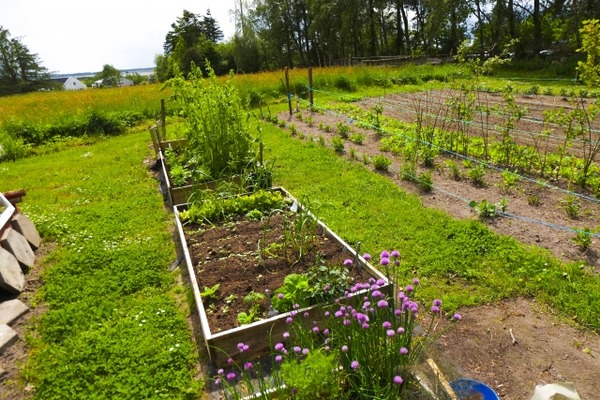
<point x="509" y="179"/>
<point x="454" y="170"/>
<point x="313" y="377"/>
<point x="293" y="129"/>
<point x="533" y="200"/>
<point x="338" y="144"/>
<point x="381" y="163"/>
<point x="216" y="120"/>
<point x="254" y="215"/>
<point x="210" y="293"/>
<point x="484" y="209"/>
<point x="583" y="238"/>
<point x="328" y="281"/>
<point x="477" y="175"/>
<point x="571" y="206"/>
<point x="343" y="130"/>
<point x="252" y="299"/>
<point x="425" y="181"/>
<point x="357" y="138"/>
<point x="296" y="290"/>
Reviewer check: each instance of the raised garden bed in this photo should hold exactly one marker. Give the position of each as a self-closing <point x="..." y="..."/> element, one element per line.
<point x="228" y="261"/>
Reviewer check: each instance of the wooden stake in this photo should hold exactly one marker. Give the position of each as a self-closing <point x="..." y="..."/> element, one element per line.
<point x="310" y="88"/>
<point x="287" y="85"/>
<point x="512" y="336"/>
<point x="442" y="379"/>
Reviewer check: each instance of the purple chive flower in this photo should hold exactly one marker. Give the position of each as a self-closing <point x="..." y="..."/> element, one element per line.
<point x="230" y="361"/>
<point x="385" y="254"/>
<point x="384" y="261"/>
<point x="401" y="296"/>
<point x="218" y="381"/>
<point x="371" y="280"/>
<point x="297" y="349"/>
<point x="305" y="351"/>
<point x="326" y="314"/>
<point x="327" y="288"/>
<point x="278" y="358"/>
<point x="435" y="309"/>
<point x="354" y="365"/>
<point x="279" y="346"/>
<point x="362" y="317"/>
<point x="400" y="331"/>
<point x="248" y="366"/>
<point x="327" y="348"/>
<point x="347" y="322"/>
<point x="395" y="254"/>
<point x="416" y="281"/>
<point x="294" y="312"/>
<point x="366" y="256"/>
<point x="457" y="317"/>
<point x="365" y="325"/>
<point x="376" y="293"/>
<point x="240" y="346"/>
<point x="286" y="335"/>
<point x="289" y="320"/>
<point x="338" y="314"/>
<point x="387" y="324"/>
<point x="380" y="282"/>
<point x="315" y="329"/>
<point x="347" y="262"/>
<point x="437" y="302"/>
<point x="280" y="296"/>
<point x="390" y="333"/>
<point x="326" y="332"/>
<point x="305" y="315"/>
<point x="397" y="312"/>
<point x="382" y="304"/>
<point x="409" y="288"/>
<point x="344" y="349"/>
<point x="231" y="376"/>
<point x="403" y="350"/>
<point x="398" y="380"/>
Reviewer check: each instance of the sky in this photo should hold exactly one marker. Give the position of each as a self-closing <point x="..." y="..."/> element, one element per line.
<point x="71" y="36"/>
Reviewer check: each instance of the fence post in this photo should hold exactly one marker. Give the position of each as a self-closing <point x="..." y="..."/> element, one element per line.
<point x="163" y="121"/>
<point x="287" y="85"/>
<point x="310" y="87"/>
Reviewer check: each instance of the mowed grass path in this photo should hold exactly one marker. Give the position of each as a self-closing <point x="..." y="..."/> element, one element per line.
<point x="114" y="327"/>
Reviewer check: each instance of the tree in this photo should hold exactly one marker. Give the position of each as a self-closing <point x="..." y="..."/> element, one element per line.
<point x="192" y="40"/>
<point x="110" y="76"/>
<point x="20" y="70"/>
<point x="589" y="70"/>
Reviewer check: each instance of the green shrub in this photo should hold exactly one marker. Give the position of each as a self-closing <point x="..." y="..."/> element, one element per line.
<point x="381" y="163"/>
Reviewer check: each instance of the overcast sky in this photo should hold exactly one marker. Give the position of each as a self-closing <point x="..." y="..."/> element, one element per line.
<point x="72" y="36"/>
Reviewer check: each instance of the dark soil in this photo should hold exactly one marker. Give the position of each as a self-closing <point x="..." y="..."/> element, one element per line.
<point x="244" y="256"/>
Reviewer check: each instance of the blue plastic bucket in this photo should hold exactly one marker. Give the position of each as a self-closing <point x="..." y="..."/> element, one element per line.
<point x="470" y="388"/>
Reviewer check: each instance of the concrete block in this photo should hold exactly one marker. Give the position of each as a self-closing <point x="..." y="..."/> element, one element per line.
<point x="7" y="337"/>
<point x="22" y="224"/>
<point x="16" y="243"/>
<point x="12" y="278"/>
<point x="11" y="310"/>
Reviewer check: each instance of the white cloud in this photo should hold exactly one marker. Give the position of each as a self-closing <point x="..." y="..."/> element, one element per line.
<point x="76" y="36"/>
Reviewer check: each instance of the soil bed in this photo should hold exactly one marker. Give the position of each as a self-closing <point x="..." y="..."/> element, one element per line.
<point x="244" y="256"/>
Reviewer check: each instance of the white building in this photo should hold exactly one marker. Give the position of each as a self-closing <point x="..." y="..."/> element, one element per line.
<point x="73" y="83"/>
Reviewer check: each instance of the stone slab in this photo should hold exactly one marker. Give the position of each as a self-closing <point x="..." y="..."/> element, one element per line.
<point x="7" y="337"/>
<point x="11" y="310"/>
<point x="16" y="243"/>
<point x="12" y="278"/>
<point x="22" y="224"/>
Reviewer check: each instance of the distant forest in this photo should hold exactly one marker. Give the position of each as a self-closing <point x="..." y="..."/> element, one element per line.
<point x="272" y="34"/>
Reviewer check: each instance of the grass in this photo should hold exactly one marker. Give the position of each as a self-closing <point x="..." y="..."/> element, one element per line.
<point x="464" y="260"/>
<point x="114" y="326"/>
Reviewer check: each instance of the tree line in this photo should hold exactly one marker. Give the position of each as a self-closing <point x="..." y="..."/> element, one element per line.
<point x="271" y="34"/>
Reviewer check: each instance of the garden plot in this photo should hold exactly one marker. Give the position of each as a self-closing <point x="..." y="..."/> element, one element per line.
<point x="250" y="271"/>
<point x="549" y="211"/>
